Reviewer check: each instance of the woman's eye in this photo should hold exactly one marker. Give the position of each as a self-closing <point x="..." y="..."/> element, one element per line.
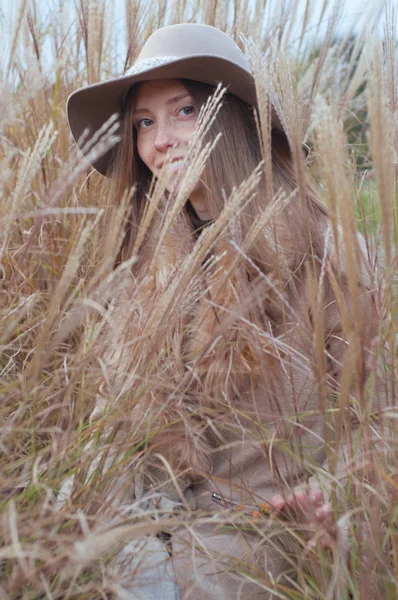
<point x="187" y="110"/>
<point x="143" y="123"/>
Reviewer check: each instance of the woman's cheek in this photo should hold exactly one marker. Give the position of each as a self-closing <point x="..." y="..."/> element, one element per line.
<point x="190" y="129"/>
<point x="145" y="154"/>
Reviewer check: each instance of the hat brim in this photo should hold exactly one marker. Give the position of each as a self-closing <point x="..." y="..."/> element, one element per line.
<point x="90" y="107"/>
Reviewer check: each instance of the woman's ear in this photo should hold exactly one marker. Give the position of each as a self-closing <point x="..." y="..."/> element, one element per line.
<point x="280" y="144"/>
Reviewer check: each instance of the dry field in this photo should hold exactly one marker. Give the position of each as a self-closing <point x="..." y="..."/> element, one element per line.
<point x="335" y="90"/>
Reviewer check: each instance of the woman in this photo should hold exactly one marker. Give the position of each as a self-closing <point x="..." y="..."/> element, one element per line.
<point x="226" y="335"/>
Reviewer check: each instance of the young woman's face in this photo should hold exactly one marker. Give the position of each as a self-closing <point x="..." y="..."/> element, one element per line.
<point x="164" y="117"/>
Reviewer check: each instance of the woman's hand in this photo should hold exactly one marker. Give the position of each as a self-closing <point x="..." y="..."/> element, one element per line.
<point x="308" y="506"/>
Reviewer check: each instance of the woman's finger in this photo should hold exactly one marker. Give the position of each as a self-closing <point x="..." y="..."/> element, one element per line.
<point x="278" y="502"/>
<point x="316" y="495"/>
<point x="324" y="512"/>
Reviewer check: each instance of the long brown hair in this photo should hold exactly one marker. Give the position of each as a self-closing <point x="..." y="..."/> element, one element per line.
<point x="232" y="161"/>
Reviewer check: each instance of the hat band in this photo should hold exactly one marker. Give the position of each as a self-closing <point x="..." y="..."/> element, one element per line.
<point x="149" y="63"/>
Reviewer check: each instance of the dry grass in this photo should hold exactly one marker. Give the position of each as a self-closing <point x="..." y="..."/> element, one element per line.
<point x="52" y="298"/>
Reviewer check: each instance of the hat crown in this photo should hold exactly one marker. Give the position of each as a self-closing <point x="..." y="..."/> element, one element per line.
<point x="192" y="39"/>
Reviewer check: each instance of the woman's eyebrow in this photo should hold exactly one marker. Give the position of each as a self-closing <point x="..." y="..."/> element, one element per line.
<point x="169" y="101"/>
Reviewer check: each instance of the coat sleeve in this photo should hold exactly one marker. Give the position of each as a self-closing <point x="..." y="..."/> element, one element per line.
<point x="352" y="324"/>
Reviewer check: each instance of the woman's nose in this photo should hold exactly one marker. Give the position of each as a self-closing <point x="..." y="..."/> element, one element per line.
<point x="165" y="138"/>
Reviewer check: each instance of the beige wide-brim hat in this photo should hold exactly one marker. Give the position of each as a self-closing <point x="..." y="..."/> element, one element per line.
<point x="184" y="51"/>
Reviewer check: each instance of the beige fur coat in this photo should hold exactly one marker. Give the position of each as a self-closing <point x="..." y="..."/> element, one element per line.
<point x="228" y="372"/>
